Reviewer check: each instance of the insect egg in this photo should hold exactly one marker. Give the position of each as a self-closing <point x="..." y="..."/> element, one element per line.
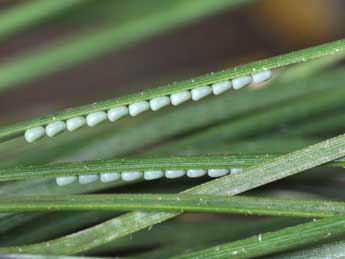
<point x="65" y="180"/>
<point x="171" y="174"/>
<point x="262" y="76"/>
<point x="159" y="103"/>
<point x="240" y="82"/>
<point x="96" y="118"/>
<point x="152" y="175"/>
<point x="33" y="134"/>
<point x="87" y="178"/>
<point x="221" y="87"/>
<point x="200" y="92"/>
<point x="109" y="177"/>
<point x="137" y="108"/>
<point x="131" y="176"/>
<point x="180" y="97"/>
<point x="116" y="113"/>
<point x="54" y="128"/>
<point x="192" y="173"/>
<point x="75" y="123"/>
<point x="217" y="172"/>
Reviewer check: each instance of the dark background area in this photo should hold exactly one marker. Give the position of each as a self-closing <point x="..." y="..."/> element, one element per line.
<point x="255" y="31"/>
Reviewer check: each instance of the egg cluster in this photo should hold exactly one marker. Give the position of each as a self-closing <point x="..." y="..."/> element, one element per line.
<point x="95" y="118"/>
<point x="147" y="175"/>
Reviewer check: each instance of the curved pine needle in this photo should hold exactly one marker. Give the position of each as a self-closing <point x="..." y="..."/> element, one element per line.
<point x="335" y="250"/>
<point x="269" y="243"/>
<point x="25" y="15"/>
<point x="199" y="237"/>
<point x="48" y="225"/>
<point x="10" y="221"/>
<point x="270" y="63"/>
<point x="172" y="202"/>
<point x="140" y="164"/>
<point x="85" y="46"/>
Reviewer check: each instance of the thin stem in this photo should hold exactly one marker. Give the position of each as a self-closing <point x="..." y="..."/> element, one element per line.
<point x="268" y="243"/>
<point x="141" y="164"/>
<point x="334" y="250"/>
<point x="25" y="15"/>
<point x="172" y="202"/>
<point x="270" y="63"/>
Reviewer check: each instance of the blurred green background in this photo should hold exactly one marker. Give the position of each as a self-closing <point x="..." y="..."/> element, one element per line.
<point x="260" y="29"/>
